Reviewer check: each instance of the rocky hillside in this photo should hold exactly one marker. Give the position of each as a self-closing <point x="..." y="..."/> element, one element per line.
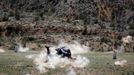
<point x="98" y="24"/>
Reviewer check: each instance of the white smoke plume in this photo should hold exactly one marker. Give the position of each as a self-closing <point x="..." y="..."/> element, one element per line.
<point x="75" y="47"/>
<point x="2" y="50"/>
<point x="127" y="39"/>
<point x="80" y="62"/>
<point x="43" y="62"/>
<point x="22" y="49"/>
<point x="40" y="62"/>
<point x="121" y="63"/>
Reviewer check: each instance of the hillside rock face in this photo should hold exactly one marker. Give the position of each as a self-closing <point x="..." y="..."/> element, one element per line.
<point x="37" y="34"/>
<point x="99" y="24"/>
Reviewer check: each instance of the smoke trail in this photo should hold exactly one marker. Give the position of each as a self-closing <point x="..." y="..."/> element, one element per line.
<point x="43" y="62"/>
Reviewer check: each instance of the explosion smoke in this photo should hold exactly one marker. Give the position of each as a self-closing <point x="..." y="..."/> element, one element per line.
<point x="121" y="63"/>
<point x="43" y="62"/>
<point x="75" y="47"/>
<point x="2" y="50"/>
<point x="22" y="49"/>
<point x="127" y="39"/>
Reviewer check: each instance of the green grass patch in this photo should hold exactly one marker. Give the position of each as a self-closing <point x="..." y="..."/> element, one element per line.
<point x="100" y="64"/>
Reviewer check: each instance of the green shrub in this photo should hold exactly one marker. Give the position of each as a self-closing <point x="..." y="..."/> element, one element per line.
<point x="4" y="16"/>
<point x="17" y="15"/>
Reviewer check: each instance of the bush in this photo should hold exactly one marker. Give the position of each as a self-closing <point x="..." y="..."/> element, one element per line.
<point x="4" y="16"/>
<point x="131" y="26"/>
<point x="17" y="15"/>
<point x="36" y="18"/>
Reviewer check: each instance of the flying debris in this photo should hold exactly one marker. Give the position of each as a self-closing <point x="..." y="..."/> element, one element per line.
<point x="64" y="52"/>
